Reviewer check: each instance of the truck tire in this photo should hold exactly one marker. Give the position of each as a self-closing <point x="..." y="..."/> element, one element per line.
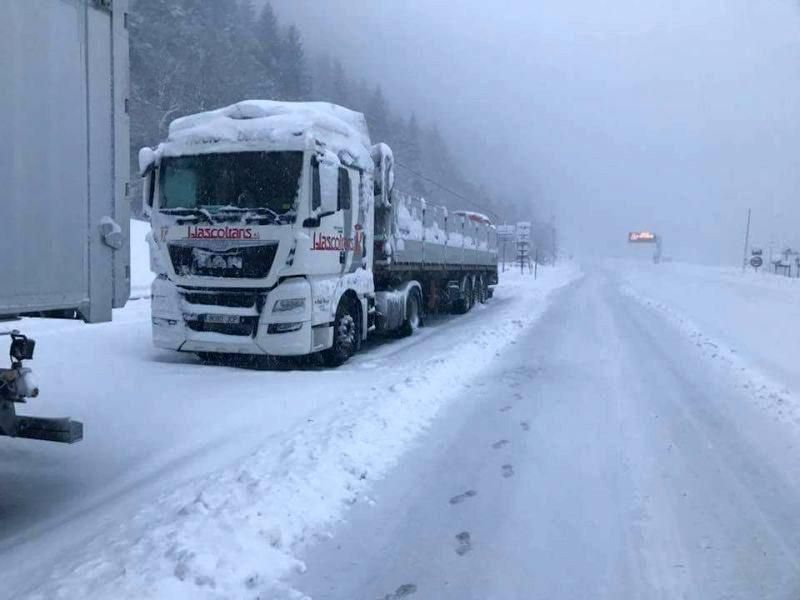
<point x="345" y="335"/>
<point x="463" y="304"/>
<point x="483" y="290"/>
<point x="414" y="314"/>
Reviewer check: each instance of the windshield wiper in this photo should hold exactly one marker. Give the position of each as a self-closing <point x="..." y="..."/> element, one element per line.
<point x="259" y="213"/>
<point x="225" y="213"/>
<point x="264" y="212"/>
<point x="201" y="214"/>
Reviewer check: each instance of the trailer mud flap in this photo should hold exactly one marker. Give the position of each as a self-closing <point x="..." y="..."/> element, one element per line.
<point x="65" y="431"/>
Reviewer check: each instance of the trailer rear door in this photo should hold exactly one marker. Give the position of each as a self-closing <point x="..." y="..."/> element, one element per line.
<point x="63" y="156"/>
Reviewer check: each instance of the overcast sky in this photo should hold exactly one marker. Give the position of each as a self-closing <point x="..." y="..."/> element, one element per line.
<point x="671" y="115"/>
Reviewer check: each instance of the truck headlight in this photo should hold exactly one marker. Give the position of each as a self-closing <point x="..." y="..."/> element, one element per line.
<point x="289" y="305"/>
<point x="284" y="327"/>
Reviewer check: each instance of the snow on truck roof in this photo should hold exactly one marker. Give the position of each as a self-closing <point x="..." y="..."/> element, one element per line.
<point x="273" y="126"/>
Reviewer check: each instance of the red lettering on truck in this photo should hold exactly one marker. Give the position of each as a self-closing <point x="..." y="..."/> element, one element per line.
<point x="337" y="243"/>
<point x="221" y="233"/>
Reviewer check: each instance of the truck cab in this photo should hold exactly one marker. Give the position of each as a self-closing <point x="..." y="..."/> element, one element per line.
<point x="261" y="217"/>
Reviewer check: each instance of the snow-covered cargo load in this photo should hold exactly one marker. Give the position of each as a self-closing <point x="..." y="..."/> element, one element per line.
<point x="64" y="157"/>
<point x="276" y="230"/>
<point x="423" y="235"/>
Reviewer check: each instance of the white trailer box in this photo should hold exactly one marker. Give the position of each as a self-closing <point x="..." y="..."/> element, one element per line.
<point x="64" y="157"/>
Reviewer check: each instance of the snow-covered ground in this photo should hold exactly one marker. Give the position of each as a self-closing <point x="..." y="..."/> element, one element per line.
<point x="601" y="457"/>
<point x="197" y="481"/>
<point x="747" y="324"/>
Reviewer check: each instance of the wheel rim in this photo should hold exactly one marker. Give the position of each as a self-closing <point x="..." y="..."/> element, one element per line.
<point x="346" y="335"/>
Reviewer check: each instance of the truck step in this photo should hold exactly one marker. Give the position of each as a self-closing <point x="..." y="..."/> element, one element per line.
<point x="65" y="431"/>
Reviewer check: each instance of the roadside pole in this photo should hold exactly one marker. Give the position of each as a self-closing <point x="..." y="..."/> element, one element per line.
<point x="536" y="264"/>
<point x="505" y="233"/>
<point x="746" y="241"/>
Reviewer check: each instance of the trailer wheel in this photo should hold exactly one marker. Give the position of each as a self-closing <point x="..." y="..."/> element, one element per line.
<point x="463" y="304"/>
<point x="345" y="335"/>
<point x="483" y="290"/>
<point x="413" y="313"/>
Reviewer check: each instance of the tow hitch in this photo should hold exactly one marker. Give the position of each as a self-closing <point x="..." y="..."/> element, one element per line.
<point x="17" y="384"/>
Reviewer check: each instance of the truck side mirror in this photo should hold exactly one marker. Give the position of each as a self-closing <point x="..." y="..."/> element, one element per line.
<point x="148" y="191"/>
<point x="324" y="192"/>
<point x="147" y="167"/>
<point x="147" y="160"/>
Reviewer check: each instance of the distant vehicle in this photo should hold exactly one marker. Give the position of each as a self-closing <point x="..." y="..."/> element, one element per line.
<point x="277" y="230"/>
<point x="63" y="163"/>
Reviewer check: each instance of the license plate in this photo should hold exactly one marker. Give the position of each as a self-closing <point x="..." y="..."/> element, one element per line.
<point x="222" y="319"/>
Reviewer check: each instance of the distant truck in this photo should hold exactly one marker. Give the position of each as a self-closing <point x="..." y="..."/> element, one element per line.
<point x="277" y="230"/>
<point x="64" y="164"/>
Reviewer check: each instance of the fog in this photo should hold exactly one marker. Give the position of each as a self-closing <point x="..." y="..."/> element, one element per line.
<point x="674" y="116"/>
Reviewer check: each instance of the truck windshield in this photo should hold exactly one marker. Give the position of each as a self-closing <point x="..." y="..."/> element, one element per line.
<point x="246" y="181"/>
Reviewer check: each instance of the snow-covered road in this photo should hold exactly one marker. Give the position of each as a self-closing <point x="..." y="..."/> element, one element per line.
<point x="594" y="437"/>
<point x="604" y="455"/>
<point x="198" y="481"/>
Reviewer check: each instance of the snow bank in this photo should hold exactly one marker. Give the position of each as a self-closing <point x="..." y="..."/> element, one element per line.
<point x="236" y="531"/>
<point x="747" y="324"/>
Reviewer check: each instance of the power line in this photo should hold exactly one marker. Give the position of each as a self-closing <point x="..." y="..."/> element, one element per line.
<point x="449" y="191"/>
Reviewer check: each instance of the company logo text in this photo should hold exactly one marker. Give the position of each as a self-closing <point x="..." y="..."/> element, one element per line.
<point x="337" y="243"/>
<point x="221" y="233"/>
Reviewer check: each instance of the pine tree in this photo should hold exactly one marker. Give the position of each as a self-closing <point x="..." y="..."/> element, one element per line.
<point x="360" y="97"/>
<point x="342" y="93"/>
<point x="293" y="78"/>
<point x="413" y="158"/>
<point x="322" y="78"/>
<point x="268" y="49"/>
<point x="378" y="115"/>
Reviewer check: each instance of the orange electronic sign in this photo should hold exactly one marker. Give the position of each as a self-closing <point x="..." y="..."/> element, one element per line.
<point x="642" y="237"/>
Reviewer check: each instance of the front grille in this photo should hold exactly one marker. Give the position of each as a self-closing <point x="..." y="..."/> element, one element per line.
<point x="246" y="326"/>
<point x="239" y="262"/>
<point x="227" y="298"/>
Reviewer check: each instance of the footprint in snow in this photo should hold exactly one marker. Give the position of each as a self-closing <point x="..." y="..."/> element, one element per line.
<point x="499" y="444"/>
<point x="508" y="471"/>
<point x="405" y="590"/>
<point x="461" y="497"/>
<point x="464" y="543"/>
<point x="505" y="409"/>
<point x="525" y="426"/>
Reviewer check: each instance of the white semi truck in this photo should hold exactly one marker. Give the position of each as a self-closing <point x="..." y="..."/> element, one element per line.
<point x="277" y="230"/>
<point x="64" y="164"/>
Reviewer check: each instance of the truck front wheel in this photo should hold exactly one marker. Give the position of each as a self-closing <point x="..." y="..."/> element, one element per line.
<point x="345" y="336"/>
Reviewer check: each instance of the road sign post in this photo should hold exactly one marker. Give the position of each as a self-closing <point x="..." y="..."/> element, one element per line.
<point x="505" y="234"/>
<point x="747" y="241"/>
<point x="647" y="237"/>
<point x="523" y="231"/>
